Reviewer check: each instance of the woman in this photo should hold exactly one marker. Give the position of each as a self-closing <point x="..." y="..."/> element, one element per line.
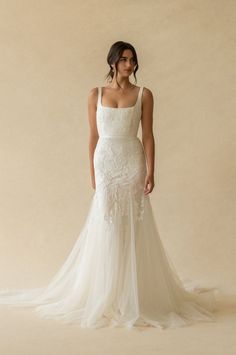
<point x="118" y="273"/>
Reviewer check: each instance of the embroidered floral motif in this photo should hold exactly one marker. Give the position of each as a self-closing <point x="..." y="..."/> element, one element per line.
<point x="120" y="173"/>
<point x="119" y="163"/>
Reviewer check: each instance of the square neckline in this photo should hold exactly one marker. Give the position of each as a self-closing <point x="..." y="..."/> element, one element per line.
<point x="118" y="108"/>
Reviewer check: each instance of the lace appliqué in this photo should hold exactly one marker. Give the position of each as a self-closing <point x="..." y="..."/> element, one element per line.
<point x="120" y="172"/>
<point x="117" y="202"/>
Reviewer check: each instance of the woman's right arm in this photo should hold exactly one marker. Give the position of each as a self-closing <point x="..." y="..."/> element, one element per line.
<point x="93" y="136"/>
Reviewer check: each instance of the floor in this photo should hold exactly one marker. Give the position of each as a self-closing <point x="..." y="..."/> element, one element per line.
<point x="23" y="333"/>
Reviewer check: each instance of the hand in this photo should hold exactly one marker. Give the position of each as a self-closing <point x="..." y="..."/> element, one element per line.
<point x="149" y="184"/>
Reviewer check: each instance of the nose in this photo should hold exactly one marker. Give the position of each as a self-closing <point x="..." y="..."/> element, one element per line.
<point x="128" y="65"/>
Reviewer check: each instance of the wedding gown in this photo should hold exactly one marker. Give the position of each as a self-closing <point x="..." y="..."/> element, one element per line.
<point x="118" y="273"/>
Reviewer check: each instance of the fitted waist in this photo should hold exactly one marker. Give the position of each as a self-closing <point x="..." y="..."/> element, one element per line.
<point x="118" y="137"/>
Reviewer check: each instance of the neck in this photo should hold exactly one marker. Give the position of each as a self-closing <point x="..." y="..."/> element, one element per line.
<point x="124" y="83"/>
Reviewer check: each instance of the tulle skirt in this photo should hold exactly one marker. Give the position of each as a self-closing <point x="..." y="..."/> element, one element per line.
<point x="118" y="274"/>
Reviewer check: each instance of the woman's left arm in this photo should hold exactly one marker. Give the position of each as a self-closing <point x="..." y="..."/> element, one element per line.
<point x="148" y="138"/>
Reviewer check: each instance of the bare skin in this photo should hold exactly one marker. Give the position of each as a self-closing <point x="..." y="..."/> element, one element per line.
<point x="114" y="96"/>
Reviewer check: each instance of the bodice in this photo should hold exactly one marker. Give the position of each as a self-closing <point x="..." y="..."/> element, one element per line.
<point x="118" y="121"/>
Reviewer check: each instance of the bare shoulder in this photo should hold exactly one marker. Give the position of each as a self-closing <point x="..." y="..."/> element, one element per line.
<point x="147" y="98"/>
<point x="147" y="94"/>
<point x="93" y="96"/>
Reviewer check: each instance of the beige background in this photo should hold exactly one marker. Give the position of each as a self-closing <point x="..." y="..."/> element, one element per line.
<point x="52" y="54"/>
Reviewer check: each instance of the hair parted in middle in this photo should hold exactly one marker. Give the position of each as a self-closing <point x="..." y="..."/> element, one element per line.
<point x="115" y="53"/>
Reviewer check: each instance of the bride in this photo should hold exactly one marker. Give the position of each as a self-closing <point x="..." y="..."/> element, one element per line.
<point x="118" y="273"/>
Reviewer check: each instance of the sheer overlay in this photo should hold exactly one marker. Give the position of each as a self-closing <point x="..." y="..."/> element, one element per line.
<point x="118" y="273"/>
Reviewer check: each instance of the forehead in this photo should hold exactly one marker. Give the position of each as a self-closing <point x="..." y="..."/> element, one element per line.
<point x="127" y="53"/>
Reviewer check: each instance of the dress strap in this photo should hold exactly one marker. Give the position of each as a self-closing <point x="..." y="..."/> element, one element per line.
<point x="140" y="97"/>
<point x="140" y="92"/>
<point x="99" y="96"/>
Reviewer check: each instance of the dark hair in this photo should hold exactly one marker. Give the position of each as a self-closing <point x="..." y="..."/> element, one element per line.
<point x="114" y="55"/>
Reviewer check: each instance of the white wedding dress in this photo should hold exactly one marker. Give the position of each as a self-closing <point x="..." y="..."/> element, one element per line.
<point x="118" y="273"/>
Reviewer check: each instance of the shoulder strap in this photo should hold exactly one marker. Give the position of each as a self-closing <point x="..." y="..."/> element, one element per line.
<point x="140" y="96"/>
<point x="140" y="91"/>
<point x="99" y="96"/>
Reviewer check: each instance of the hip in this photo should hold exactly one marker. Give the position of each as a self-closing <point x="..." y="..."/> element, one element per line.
<point x="120" y="158"/>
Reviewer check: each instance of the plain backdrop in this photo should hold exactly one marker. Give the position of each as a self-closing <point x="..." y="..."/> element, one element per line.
<point x="52" y="54"/>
